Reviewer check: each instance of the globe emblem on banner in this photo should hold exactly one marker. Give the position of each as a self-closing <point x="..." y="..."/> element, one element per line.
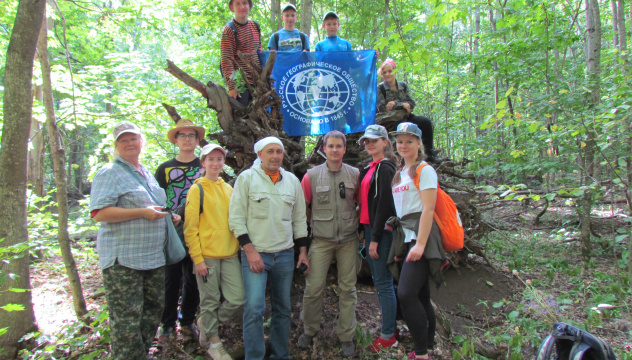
<point x="317" y="92"/>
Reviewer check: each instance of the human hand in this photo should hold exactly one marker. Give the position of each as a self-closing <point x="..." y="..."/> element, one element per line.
<point x="254" y="260"/>
<point x="390" y="105"/>
<point x="233" y="93"/>
<point x="176" y="219"/>
<point x="407" y="107"/>
<point x="373" y="250"/>
<point x="201" y="269"/>
<point x="415" y="253"/>
<point x="303" y="259"/>
<point x="153" y="213"/>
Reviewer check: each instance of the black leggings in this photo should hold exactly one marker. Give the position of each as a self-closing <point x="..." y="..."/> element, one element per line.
<point x="425" y="125"/>
<point x="413" y="293"/>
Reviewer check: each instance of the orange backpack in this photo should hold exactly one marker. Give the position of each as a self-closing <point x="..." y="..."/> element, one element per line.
<point x="447" y="217"/>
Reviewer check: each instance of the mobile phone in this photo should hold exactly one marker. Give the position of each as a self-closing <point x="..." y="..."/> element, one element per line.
<point x="301" y="269"/>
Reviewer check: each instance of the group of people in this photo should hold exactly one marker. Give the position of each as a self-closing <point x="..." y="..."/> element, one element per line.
<point x="244" y="35"/>
<point x="239" y="240"/>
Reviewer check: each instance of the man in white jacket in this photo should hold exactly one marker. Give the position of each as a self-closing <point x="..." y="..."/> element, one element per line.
<point x="267" y="215"/>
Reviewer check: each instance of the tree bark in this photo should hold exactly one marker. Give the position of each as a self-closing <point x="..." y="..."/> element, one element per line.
<point x="18" y="107"/>
<point x="615" y="23"/>
<point x="35" y="175"/>
<point x="593" y="65"/>
<point x="306" y="16"/>
<point x="58" y="154"/>
<point x="275" y="14"/>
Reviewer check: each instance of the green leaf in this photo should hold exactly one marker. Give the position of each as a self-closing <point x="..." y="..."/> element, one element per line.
<point x="18" y="290"/>
<point x="490" y="189"/>
<point x="489" y="283"/>
<point x="513" y="315"/>
<point x="13" y="307"/>
<point x="501" y="104"/>
<point x="511" y="89"/>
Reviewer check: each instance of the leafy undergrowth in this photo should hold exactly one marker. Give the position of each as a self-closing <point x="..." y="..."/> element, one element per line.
<point x="539" y="279"/>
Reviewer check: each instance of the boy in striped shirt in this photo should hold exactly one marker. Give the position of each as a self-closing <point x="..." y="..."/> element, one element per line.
<point x="239" y="34"/>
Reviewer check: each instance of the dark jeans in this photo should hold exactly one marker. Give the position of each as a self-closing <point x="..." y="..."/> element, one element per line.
<point x="425" y="125"/>
<point x="413" y="293"/>
<point x="174" y="274"/>
<point x="245" y="98"/>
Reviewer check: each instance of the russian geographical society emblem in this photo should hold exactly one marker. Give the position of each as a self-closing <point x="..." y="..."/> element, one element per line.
<point x="318" y="92"/>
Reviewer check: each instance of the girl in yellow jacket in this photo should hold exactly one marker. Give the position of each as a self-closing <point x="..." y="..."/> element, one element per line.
<point x="213" y="249"/>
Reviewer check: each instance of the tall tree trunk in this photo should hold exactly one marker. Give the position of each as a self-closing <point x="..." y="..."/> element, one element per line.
<point x="306" y="16"/>
<point x="35" y="174"/>
<point x="275" y="14"/>
<point x="18" y="107"/>
<point x="593" y="70"/>
<point x="615" y="23"/>
<point x="58" y="154"/>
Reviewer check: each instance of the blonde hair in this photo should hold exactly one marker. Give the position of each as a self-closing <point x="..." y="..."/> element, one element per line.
<point x="412" y="171"/>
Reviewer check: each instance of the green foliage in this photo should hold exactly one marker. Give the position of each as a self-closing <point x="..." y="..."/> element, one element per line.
<point x="73" y="339"/>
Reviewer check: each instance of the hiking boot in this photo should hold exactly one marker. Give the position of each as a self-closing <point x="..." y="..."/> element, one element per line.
<point x="190" y="331"/>
<point x="304" y="341"/>
<point x="380" y="343"/>
<point x="348" y="348"/>
<point x="218" y="352"/>
<point x="202" y="339"/>
<point x="432" y="157"/>
<point x="165" y="333"/>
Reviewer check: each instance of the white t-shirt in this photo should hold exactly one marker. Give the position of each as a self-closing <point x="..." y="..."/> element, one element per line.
<point x="408" y="198"/>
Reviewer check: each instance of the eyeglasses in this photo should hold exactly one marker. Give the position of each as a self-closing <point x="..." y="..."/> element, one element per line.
<point x="341" y="187"/>
<point x="185" y="136"/>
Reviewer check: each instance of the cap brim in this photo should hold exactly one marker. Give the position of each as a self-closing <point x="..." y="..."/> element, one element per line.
<point x="395" y="133"/>
<point x="133" y="131"/>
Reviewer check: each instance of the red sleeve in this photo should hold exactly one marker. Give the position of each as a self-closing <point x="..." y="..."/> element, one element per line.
<point x="228" y="52"/>
<point x="307" y="188"/>
<point x="94" y="212"/>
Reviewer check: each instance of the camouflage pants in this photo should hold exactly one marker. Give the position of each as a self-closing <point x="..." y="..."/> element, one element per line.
<point x="135" y="300"/>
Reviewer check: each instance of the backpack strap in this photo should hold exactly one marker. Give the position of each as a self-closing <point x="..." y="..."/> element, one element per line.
<point x="258" y="29"/>
<point x="201" y="197"/>
<point x="233" y="27"/>
<point x="276" y="40"/>
<point x="382" y="89"/>
<point x="303" y="40"/>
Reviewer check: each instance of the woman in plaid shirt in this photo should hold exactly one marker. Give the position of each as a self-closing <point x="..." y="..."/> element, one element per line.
<point x="128" y="202"/>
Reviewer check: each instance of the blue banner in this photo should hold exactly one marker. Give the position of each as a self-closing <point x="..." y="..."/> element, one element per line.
<point x="324" y="91"/>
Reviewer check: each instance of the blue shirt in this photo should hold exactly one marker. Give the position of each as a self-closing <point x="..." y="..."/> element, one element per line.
<point x="288" y="41"/>
<point x="334" y="43"/>
<point x="137" y="244"/>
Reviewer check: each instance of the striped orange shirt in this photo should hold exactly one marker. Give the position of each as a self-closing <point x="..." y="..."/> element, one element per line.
<point x="249" y="43"/>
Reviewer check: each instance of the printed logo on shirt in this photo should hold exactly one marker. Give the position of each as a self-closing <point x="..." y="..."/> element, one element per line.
<point x="292" y="43"/>
<point x="400" y="189"/>
<point x="179" y="180"/>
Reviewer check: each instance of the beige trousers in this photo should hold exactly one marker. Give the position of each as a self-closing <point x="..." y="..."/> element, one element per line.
<point x="223" y="280"/>
<point x="321" y="253"/>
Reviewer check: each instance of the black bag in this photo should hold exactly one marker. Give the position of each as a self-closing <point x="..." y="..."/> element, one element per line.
<point x="567" y="342"/>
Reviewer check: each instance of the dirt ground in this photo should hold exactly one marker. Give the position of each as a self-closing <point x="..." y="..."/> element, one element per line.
<point x="459" y="297"/>
<point x="465" y="298"/>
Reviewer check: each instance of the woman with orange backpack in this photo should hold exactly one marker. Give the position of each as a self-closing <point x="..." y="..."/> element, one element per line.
<point x="415" y="191"/>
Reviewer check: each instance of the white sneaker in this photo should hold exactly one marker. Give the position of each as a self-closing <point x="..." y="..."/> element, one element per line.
<point x="218" y="353"/>
<point x="202" y="339"/>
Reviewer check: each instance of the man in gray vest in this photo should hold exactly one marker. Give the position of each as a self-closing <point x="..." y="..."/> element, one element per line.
<point x="331" y="190"/>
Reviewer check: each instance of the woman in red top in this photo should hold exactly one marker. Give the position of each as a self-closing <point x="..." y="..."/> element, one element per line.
<point x="376" y="206"/>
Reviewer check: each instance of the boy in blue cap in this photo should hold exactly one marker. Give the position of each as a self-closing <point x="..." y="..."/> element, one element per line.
<point x="289" y="38"/>
<point x="333" y="42"/>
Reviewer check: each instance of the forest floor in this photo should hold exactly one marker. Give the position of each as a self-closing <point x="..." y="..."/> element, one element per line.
<point x="487" y="308"/>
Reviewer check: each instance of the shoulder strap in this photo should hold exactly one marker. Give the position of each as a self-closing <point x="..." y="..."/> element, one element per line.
<point x="233" y="27"/>
<point x="201" y="197"/>
<point x="276" y="40"/>
<point x="303" y="40"/>
<point x="126" y="168"/>
<point x="383" y="89"/>
<point x="258" y="29"/>
<point x="418" y="174"/>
